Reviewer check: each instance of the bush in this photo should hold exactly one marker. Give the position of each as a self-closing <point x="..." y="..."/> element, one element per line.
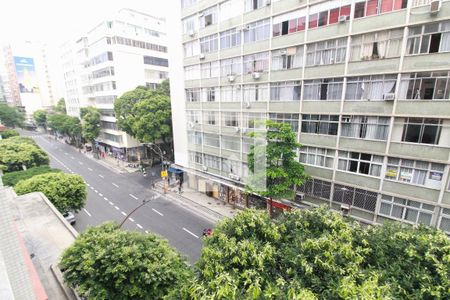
<point x="12" y="178"/>
<point x="9" y="133"/>
<point x="67" y="192"/>
<point x="17" y="152"/>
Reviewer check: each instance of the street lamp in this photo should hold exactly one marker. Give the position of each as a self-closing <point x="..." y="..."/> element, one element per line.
<point x="145" y="201"/>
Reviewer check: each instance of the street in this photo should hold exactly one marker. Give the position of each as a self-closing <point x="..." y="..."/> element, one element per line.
<point x="111" y="196"/>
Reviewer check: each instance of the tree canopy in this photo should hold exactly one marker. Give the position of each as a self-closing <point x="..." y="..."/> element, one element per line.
<point x="106" y="262"/>
<point x="90" y="123"/>
<point x="145" y="114"/>
<point x="318" y="254"/>
<point x="10" y="116"/>
<point x="17" y="152"/>
<point x="12" y="178"/>
<point x="40" y="117"/>
<point x="272" y="162"/>
<point x="9" y="133"/>
<point x="60" y="107"/>
<point x="65" y="125"/>
<point x="67" y="192"/>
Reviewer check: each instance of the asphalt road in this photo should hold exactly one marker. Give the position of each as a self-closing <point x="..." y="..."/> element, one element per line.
<point x="111" y="196"/>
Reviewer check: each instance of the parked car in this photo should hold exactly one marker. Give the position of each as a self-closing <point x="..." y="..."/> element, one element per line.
<point x="70" y="217"/>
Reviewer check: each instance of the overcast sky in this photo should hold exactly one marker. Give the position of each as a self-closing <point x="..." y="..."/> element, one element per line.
<point x="55" y="21"/>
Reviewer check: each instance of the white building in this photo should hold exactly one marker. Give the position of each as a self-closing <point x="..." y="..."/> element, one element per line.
<point x="116" y="56"/>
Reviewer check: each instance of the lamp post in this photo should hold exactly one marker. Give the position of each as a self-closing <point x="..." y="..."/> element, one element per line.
<point x="145" y="201"/>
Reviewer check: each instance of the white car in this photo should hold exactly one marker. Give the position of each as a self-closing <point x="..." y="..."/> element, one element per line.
<point x="69" y="216"/>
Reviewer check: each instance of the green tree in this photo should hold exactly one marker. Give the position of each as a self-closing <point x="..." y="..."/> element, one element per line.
<point x="40" y="117"/>
<point x="272" y="161"/>
<point x="12" y="178"/>
<point x="19" y="152"/>
<point x="10" y="116"/>
<point x="8" y="133"/>
<point x="66" y="125"/>
<point x="90" y="124"/>
<point x="60" y="107"/>
<point x="106" y="262"/>
<point x="67" y="192"/>
<point x="164" y="88"/>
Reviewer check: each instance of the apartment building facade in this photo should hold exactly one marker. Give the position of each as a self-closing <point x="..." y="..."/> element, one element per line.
<point x="365" y="84"/>
<point x="114" y="57"/>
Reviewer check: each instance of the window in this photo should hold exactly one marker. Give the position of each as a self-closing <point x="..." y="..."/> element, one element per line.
<point x="415" y="172"/>
<point x="422" y="130"/>
<point x="210" y="69"/>
<point x="323" y="89"/>
<point x="230" y="38"/>
<point x="382" y="44"/>
<point x="257" y="31"/>
<point x="191" y="48"/>
<point x="230" y="9"/>
<point x="106" y="56"/>
<point x="231" y="143"/>
<point x="231" y="166"/>
<point x="111" y="137"/>
<point x="99" y="87"/>
<point x="192" y="72"/>
<point x="208" y="17"/>
<point x="320" y="124"/>
<point x="320" y="157"/>
<point x="212" y="161"/>
<point x="328" y="13"/>
<point x="291" y="119"/>
<point x="406" y="210"/>
<point x="231" y="93"/>
<point x="209" y="43"/>
<point x="316" y="188"/>
<point x="258" y="62"/>
<point x="365" y="127"/>
<point x="429" y="38"/>
<point x="211" y="117"/>
<point x="193" y="95"/>
<point x="285" y="59"/>
<point x="256" y="92"/>
<point x="196" y="157"/>
<point x="187" y="3"/>
<point x="194" y="137"/>
<point x="289" y="23"/>
<point x="211" y="140"/>
<point x="156" y="61"/>
<point x="138" y="44"/>
<point x="361" y="163"/>
<point x="370" y="87"/>
<point x="105" y="99"/>
<point x="254" y="120"/>
<point x="108" y="71"/>
<point x="285" y="91"/>
<point x="367" y="8"/>
<point x="230" y="119"/>
<point x="326" y="52"/>
<point x="250" y="5"/>
<point x="231" y="66"/>
<point x="189" y="24"/>
<point x="444" y="223"/>
<point x="194" y="116"/>
<point x="210" y="94"/>
<point x="109" y="125"/>
<point x="351" y="196"/>
<point x="247" y="143"/>
<point x="425" y="86"/>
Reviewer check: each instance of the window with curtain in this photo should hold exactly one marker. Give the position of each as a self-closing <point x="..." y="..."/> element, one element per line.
<point x="230" y="93"/>
<point x="365" y="127"/>
<point x="320" y="124"/>
<point x="429" y="38"/>
<point x="230" y="38"/>
<point x="367" y="8"/>
<point x="257" y="31"/>
<point x="210" y="94"/>
<point x="209" y="43"/>
<point x="192" y="95"/>
<point x="250" y="5"/>
<point x="372" y="87"/>
<point x="323" y="89"/>
<point x="285" y="91"/>
<point x="377" y="45"/>
<point x="231" y="166"/>
<point x="315" y="156"/>
<point x="425" y="86"/>
<point x="230" y="119"/>
<point x="355" y="197"/>
<point x="208" y="17"/>
<point x="326" y="52"/>
<point x="189" y="24"/>
<point x="210" y="69"/>
<point x="413" y="212"/>
<point x="195" y="157"/>
<point x="361" y="163"/>
<point x="422" y="130"/>
<point x="258" y="62"/>
<point x="211" y="161"/>
<point x="289" y="58"/>
<point x="194" y="116"/>
<point x="230" y="9"/>
<point x="291" y="119"/>
<point x="256" y="92"/>
<point x="231" y="66"/>
<point x="191" y="48"/>
<point x="211" y="117"/>
<point x="414" y="171"/>
<point x="328" y="13"/>
<point x="290" y="22"/>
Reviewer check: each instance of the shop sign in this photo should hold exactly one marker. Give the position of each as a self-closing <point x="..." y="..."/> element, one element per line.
<point x="163" y="173"/>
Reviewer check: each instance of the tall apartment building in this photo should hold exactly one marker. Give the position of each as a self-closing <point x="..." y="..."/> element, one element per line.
<point x="116" y="56"/>
<point x="365" y="84"/>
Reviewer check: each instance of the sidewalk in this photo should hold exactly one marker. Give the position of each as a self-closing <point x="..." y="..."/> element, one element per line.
<point x="211" y="208"/>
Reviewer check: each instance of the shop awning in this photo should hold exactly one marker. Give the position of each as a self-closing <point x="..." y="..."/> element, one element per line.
<point x="175" y="170"/>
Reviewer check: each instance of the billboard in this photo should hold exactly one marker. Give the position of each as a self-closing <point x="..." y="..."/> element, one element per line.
<point x="26" y="75"/>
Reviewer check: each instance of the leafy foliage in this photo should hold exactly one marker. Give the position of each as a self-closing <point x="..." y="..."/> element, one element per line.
<point x="9" y="133"/>
<point x="67" y="192"/>
<point x="10" y="116"/>
<point x="145" y="114"/>
<point x="90" y="123"/>
<point x="60" y="106"/>
<point x="40" y="117"/>
<point x="282" y="170"/>
<point x="16" y="152"/>
<point x="106" y="262"/>
<point x="11" y="179"/>
<point x="317" y="254"/>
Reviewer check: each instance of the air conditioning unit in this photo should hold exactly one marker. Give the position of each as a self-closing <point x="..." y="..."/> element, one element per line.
<point x="343" y="19"/>
<point x="435" y="6"/>
<point x="234" y="177"/>
<point x="331" y="60"/>
<point x="231" y="78"/>
<point x="256" y="75"/>
<point x="247" y="105"/>
<point x="191" y="32"/>
<point x="201" y="56"/>
<point x="346" y="119"/>
<point x="205" y="168"/>
<point x="267" y="2"/>
<point x="246" y="28"/>
<point x="201" y="14"/>
<point x="300" y="196"/>
<point x="345" y="209"/>
<point x="237" y="129"/>
<point x="389" y="97"/>
<point x="283" y="52"/>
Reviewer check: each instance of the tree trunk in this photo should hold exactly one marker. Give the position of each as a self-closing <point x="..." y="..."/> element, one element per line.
<point x="269" y="207"/>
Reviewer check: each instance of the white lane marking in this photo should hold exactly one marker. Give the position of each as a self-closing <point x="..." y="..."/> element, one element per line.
<point x="88" y="184"/>
<point x="133" y="196"/>
<point x="146" y="232"/>
<point x="100" y="194"/>
<point x="106" y="199"/>
<point x="80" y="162"/>
<point x="91" y="187"/>
<point x="115" y="185"/>
<point x="72" y="172"/>
<point x="139" y="225"/>
<point x="190" y="232"/>
<point x="131" y="219"/>
<point x="110" y="203"/>
<point x="123" y="213"/>
<point x="116" y="207"/>
<point x="96" y="191"/>
<point x="72" y="157"/>
<point x="66" y="153"/>
<point x="158" y="212"/>
<point x="101" y="176"/>
<point x="90" y="169"/>
<point x="87" y="212"/>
